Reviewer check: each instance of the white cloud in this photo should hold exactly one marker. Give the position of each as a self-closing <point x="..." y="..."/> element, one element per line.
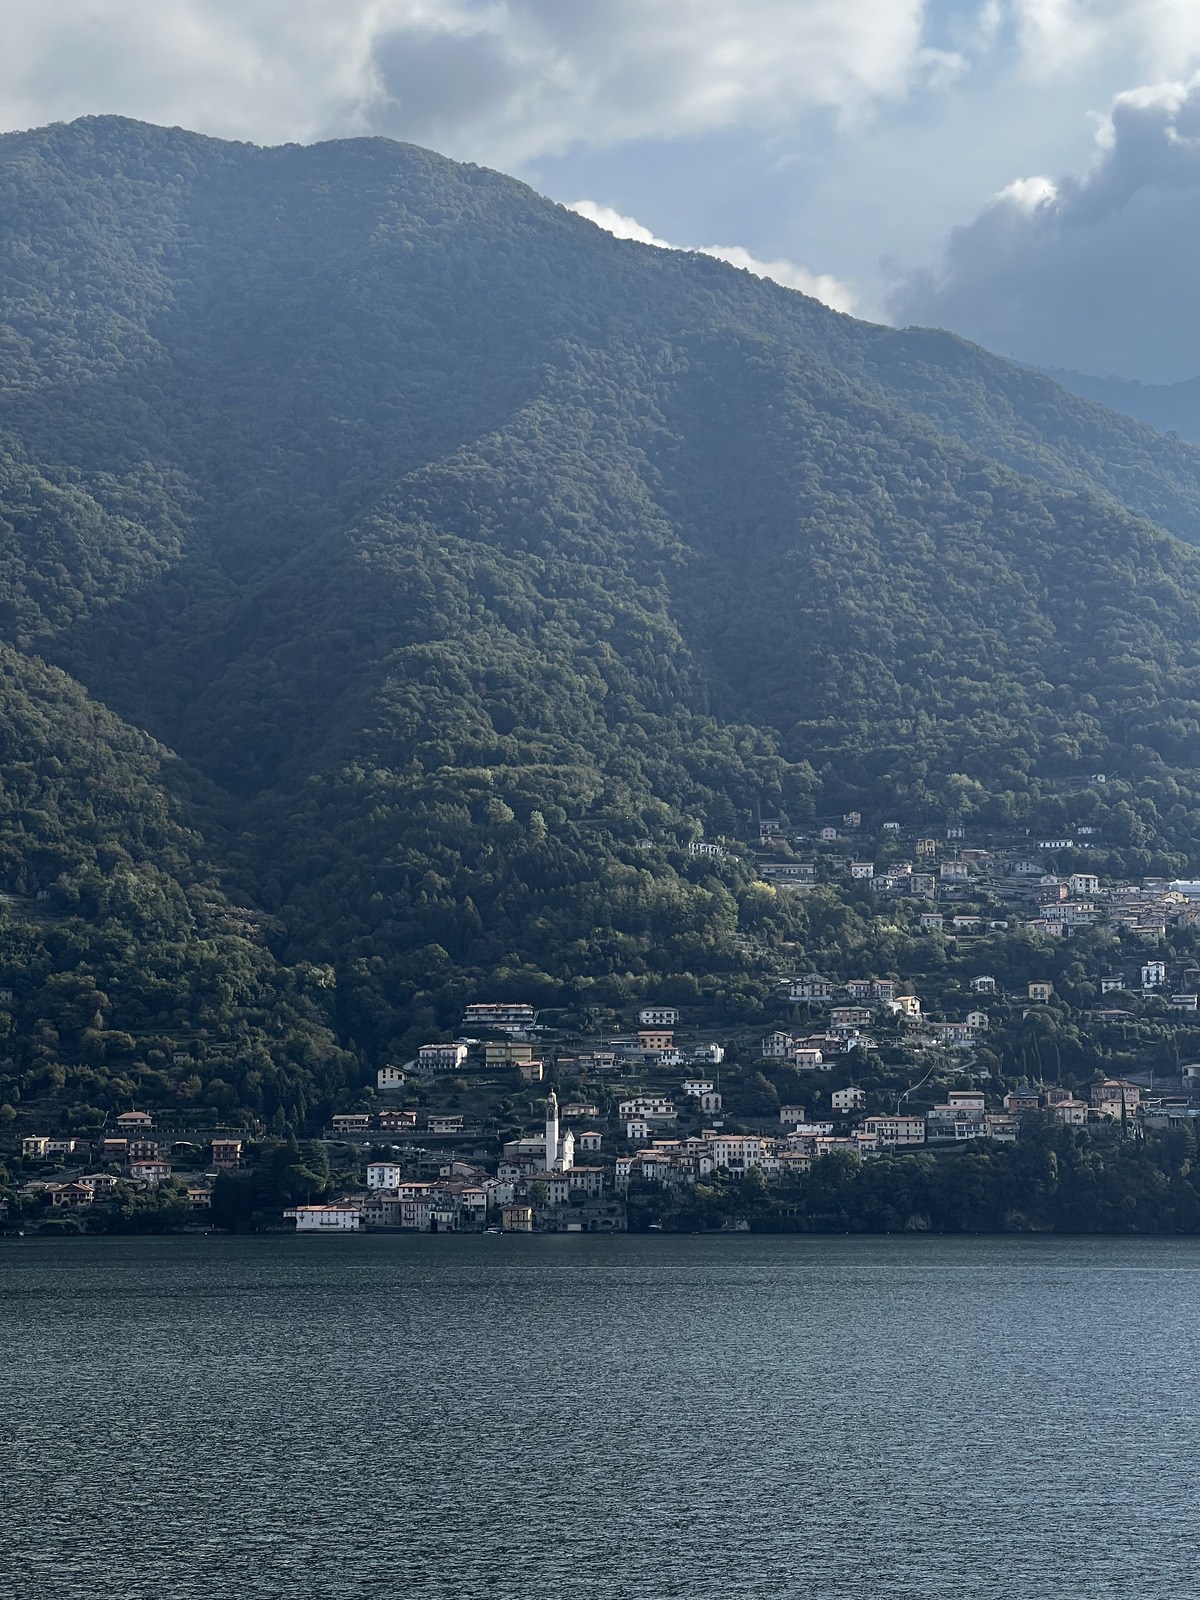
<point x="503" y="80"/>
<point x="1027" y="194"/>
<point x="1094" y="274"/>
<point x="1159" y="38"/>
<point x="821" y="286"/>
<point x="608" y="71"/>
<point x="267" y="70"/>
<point x="613" y="222"/>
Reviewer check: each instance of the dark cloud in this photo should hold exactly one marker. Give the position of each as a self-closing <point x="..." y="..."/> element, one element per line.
<point x="1099" y="274"/>
<point x="432" y="82"/>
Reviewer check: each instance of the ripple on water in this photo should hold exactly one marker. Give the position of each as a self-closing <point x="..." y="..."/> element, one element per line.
<point x="597" y="1417"/>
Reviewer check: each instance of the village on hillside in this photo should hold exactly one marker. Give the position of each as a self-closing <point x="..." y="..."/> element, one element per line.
<point x="520" y="1124"/>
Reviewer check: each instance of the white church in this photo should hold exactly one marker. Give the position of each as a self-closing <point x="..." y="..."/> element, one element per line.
<point x="560" y="1149"/>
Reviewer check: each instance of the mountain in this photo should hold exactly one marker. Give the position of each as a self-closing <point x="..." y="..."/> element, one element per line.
<point x="1169" y="407"/>
<point x="435" y="567"/>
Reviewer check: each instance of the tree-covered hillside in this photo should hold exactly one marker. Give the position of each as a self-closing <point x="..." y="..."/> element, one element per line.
<point x="460" y="564"/>
<point x="1169" y="407"/>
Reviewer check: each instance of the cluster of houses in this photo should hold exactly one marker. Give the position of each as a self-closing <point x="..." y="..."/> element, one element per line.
<point x="143" y="1156"/>
<point x="853" y="1003"/>
<point x="653" y="1045"/>
<point x="536" y="1178"/>
<point x="1147" y="908"/>
<point x="963" y="1116"/>
<point x="1051" y="903"/>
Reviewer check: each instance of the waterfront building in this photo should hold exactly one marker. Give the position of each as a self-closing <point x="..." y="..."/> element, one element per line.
<point x="340" y="1216"/>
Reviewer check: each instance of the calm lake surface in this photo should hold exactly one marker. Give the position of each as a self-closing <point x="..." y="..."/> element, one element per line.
<point x="569" y="1416"/>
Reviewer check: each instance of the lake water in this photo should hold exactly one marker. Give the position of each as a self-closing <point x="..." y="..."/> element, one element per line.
<point x="573" y="1416"/>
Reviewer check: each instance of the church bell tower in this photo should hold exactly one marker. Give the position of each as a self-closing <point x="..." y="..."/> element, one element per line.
<point x="552" y="1133"/>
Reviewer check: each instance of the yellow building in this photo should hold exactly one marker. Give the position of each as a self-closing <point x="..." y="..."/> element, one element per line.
<point x="500" y="1054"/>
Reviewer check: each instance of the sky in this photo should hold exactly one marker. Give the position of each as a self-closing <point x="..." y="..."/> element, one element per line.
<point x="1026" y="172"/>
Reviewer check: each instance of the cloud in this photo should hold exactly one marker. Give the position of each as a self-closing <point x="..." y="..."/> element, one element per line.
<point x="503" y="80"/>
<point x="1058" y="38"/>
<point x="821" y="286"/>
<point x="613" y="222"/>
<point x="511" y="80"/>
<point x="607" y="71"/>
<point x="1094" y="274"/>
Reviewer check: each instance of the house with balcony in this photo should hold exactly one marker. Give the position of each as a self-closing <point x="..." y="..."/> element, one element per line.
<point x="810" y="987"/>
<point x="893" y="1130"/>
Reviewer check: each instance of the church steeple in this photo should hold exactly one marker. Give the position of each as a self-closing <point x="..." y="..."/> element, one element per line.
<point x="552" y="1155"/>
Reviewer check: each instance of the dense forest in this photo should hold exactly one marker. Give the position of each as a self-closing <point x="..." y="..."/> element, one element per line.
<point x="397" y="572"/>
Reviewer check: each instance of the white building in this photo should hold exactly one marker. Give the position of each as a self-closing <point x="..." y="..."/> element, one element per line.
<point x="777" y="1046"/>
<point x="893" y="1130"/>
<point x="737" y="1152"/>
<point x="874" y="990"/>
<point x="441" y="1057"/>
<point x="391" y="1078"/>
<point x="906" y="1005"/>
<point x="698" y="1086"/>
<point x="500" y="1014"/>
<point x="658" y="1017"/>
<point x="807" y="1057"/>
<point x="710" y="1102"/>
<point x="383" y="1175"/>
<point x="810" y="987"/>
<point x="789" y="873"/>
<point x="651" y="1107"/>
<point x="956" y="1035"/>
<point x="343" y="1216"/>
<point x="149" y="1171"/>
<point x="849" y="1099"/>
<point x="710" y="1054"/>
<point x="637" y="1130"/>
<point x="801" y="1133"/>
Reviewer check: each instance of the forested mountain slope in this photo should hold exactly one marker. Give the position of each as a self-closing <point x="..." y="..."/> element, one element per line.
<point x="1169" y="407"/>
<point x="1025" y="420"/>
<point x="131" y="973"/>
<point x="471" y="561"/>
